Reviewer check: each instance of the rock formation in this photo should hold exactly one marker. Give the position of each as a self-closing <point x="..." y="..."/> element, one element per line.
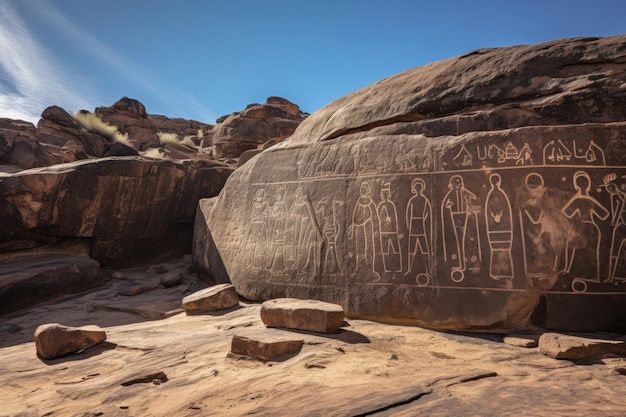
<point x="309" y="315"/>
<point x="32" y="280"/>
<point x="117" y="210"/>
<point x="54" y="340"/>
<point x="217" y="297"/>
<point x="485" y="190"/>
<point x="253" y="127"/>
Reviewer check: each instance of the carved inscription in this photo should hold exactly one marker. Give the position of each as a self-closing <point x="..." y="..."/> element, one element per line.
<point x="510" y="215"/>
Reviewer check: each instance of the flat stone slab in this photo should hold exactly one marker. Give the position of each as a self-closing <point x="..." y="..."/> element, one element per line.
<point x="525" y="341"/>
<point x="217" y="297"/>
<point x="560" y="346"/>
<point x="53" y="340"/>
<point x="266" y="344"/>
<point x="29" y="281"/>
<point x="311" y="315"/>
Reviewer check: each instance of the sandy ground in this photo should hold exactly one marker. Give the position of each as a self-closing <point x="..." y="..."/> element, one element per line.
<point x="367" y="368"/>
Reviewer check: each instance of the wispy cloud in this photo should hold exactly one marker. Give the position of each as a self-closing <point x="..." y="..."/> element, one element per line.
<point x="178" y="100"/>
<point x="30" y="80"/>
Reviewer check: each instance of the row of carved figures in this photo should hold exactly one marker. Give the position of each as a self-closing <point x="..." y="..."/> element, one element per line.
<point x="384" y="241"/>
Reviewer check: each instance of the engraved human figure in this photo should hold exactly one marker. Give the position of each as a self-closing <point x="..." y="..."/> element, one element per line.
<point x="330" y="230"/>
<point x="456" y="210"/>
<point x="278" y="221"/>
<point x="499" y="221"/>
<point x="389" y="235"/>
<point x="582" y="249"/>
<point x="363" y="218"/>
<point x="618" y="221"/>
<point x="419" y="223"/>
<point x="258" y="229"/>
<point x="305" y="233"/>
<point x="538" y="227"/>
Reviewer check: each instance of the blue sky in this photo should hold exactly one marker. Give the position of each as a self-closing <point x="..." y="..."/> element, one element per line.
<point x="206" y="58"/>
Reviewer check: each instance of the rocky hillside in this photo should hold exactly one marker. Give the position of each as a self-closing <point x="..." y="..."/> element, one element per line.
<point x="118" y="185"/>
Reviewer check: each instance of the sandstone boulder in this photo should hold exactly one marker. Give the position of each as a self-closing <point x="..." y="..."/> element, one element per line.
<point x="310" y="315"/>
<point x="258" y="123"/>
<point x="217" y="297"/>
<point x="29" y="281"/>
<point x="54" y="340"/>
<point x="131" y="118"/>
<point x="485" y="190"/>
<point x="560" y="346"/>
<point x="123" y="208"/>
<point x="266" y="345"/>
<point x="178" y="125"/>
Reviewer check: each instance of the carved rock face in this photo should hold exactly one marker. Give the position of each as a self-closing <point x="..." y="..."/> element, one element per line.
<point x="481" y="191"/>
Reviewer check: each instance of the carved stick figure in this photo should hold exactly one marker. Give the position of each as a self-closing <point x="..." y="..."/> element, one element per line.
<point x="584" y="209"/>
<point x="419" y="222"/>
<point x="258" y="229"/>
<point x="389" y="236"/>
<point x="499" y="221"/>
<point x="456" y="209"/>
<point x="363" y="218"/>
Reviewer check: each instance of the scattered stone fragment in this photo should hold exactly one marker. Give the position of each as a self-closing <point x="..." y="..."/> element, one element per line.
<point x="53" y="340"/>
<point x="311" y="315"/>
<point x="559" y="346"/>
<point x="13" y="328"/>
<point x="118" y="275"/>
<point x="314" y="365"/>
<point x="266" y="344"/>
<point x="135" y="290"/>
<point x="522" y="341"/>
<point x="150" y="378"/>
<point x="160" y="269"/>
<point x="217" y="297"/>
<point x="169" y="280"/>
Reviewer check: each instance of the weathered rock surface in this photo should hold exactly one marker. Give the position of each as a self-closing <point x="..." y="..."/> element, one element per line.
<point x="276" y="120"/>
<point x="121" y="209"/>
<point x="54" y="340"/>
<point x="131" y="118"/>
<point x="179" y="125"/>
<point x="480" y="191"/>
<point x="266" y="345"/>
<point x="367" y="368"/>
<point x="311" y="315"/>
<point x="29" y="281"/>
<point x="217" y="297"/>
<point x="560" y="346"/>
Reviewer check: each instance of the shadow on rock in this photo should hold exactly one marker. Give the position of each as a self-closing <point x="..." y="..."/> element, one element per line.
<point x="81" y="354"/>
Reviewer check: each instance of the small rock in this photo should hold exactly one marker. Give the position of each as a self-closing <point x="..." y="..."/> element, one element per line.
<point x="171" y="280"/>
<point x="135" y="290"/>
<point x="266" y="344"/>
<point x="146" y="379"/>
<point x="521" y="341"/>
<point x="311" y="315"/>
<point x="13" y="328"/>
<point x="118" y="275"/>
<point x="54" y="340"/>
<point x="393" y="357"/>
<point x="217" y="297"/>
<point x="159" y="269"/>
<point x="559" y="346"/>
